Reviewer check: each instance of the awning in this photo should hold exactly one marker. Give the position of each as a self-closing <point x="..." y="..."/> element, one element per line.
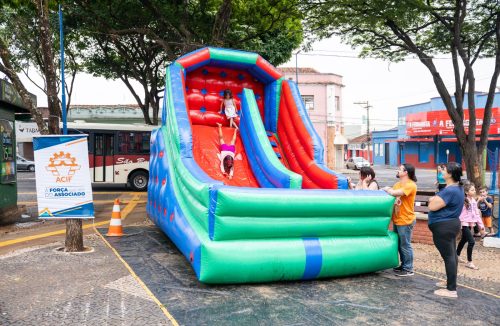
<point x="453" y="140"/>
<point x="409" y="140"/>
<point x="340" y="140"/>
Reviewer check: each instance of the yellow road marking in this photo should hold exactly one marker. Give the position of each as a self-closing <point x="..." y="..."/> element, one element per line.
<point x="128" y="208"/>
<point x="138" y="279"/>
<point x="102" y="201"/>
<point x="462" y="285"/>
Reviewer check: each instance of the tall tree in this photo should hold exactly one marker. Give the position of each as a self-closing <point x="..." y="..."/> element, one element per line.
<point x="74" y="232"/>
<point x="135" y="40"/>
<point x="22" y="32"/>
<point x="466" y="30"/>
<point x="7" y="67"/>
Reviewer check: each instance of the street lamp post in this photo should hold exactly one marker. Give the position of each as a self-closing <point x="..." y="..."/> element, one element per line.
<point x="447" y="153"/>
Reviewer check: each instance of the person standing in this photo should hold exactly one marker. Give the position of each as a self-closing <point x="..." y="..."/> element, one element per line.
<point x="485" y="204"/>
<point x="440" y="182"/>
<point x="469" y="217"/>
<point x="444" y="222"/>
<point x="403" y="218"/>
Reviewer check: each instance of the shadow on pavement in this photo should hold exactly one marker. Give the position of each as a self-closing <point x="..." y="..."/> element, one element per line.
<point x="378" y="298"/>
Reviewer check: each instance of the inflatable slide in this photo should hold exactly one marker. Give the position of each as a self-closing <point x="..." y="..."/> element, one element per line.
<point x="284" y="215"/>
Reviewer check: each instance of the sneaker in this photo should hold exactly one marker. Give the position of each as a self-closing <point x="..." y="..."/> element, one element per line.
<point x="471" y="265"/>
<point x="446" y="293"/>
<point x="397" y="269"/>
<point x="461" y="260"/>
<point x="441" y="284"/>
<point x="404" y="273"/>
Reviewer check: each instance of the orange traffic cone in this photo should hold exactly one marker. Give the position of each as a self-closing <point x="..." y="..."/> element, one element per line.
<point x="115" y="225"/>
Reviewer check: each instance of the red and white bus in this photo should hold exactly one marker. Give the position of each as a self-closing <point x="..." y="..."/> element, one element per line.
<point x="118" y="153"/>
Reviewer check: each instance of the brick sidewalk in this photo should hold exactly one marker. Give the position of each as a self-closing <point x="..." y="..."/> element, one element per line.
<point x="39" y="286"/>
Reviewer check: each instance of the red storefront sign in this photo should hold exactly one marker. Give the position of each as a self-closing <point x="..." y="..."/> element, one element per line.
<point x="439" y="123"/>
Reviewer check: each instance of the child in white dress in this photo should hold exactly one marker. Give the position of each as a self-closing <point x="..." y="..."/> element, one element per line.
<point x="229" y="108"/>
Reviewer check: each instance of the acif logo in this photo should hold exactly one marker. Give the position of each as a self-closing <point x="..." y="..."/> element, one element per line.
<point x="63" y="166"/>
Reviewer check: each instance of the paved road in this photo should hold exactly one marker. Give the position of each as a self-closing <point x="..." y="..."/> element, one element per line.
<point x="387" y="176"/>
<point x="371" y="299"/>
<point x="109" y="293"/>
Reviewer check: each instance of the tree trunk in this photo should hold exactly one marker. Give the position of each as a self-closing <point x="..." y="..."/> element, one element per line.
<point x="473" y="163"/>
<point x="74" y="235"/>
<point x="74" y="232"/>
<point x="50" y="70"/>
<point x="155" y="105"/>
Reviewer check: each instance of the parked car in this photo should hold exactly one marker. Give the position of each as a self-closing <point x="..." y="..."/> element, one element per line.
<point x="24" y="164"/>
<point x="356" y="163"/>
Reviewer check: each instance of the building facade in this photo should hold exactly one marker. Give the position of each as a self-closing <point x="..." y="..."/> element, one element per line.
<point x="120" y="113"/>
<point x="322" y="96"/>
<point x="384" y="148"/>
<point x="358" y="147"/>
<point x="425" y="135"/>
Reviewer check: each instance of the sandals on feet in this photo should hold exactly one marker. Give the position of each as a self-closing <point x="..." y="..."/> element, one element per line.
<point x="471" y="266"/>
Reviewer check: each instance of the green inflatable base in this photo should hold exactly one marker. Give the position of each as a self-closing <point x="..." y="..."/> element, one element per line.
<point x="254" y="261"/>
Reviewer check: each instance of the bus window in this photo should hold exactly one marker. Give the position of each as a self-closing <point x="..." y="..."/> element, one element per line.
<point x="145" y="142"/>
<point x="109" y="145"/>
<point x="99" y="144"/>
<point x="133" y="142"/>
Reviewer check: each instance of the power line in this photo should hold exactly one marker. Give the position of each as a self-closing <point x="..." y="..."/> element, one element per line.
<point x="357" y="57"/>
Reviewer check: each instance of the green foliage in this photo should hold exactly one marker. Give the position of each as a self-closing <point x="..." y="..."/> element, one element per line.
<point x="133" y="39"/>
<point x="136" y="39"/>
<point x="19" y="28"/>
<point x="463" y="29"/>
<point x="271" y="28"/>
<point x="374" y="25"/>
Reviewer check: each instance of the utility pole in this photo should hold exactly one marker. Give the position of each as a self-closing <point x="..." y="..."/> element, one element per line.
<point x="367" y="106"/>
<point x="297" y="68"/>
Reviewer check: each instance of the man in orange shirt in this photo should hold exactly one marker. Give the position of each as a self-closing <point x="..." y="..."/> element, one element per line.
<point x="403" y="218"/>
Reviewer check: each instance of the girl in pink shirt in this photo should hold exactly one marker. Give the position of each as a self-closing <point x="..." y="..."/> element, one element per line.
<point x="469" y="217"/>
<point x="226" y="154"/>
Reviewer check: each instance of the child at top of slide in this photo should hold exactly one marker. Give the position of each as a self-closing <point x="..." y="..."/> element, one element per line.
<point x="229" y="108"/>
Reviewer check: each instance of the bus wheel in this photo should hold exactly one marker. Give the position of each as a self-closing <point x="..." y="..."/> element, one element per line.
<point x="139" y="181"/>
